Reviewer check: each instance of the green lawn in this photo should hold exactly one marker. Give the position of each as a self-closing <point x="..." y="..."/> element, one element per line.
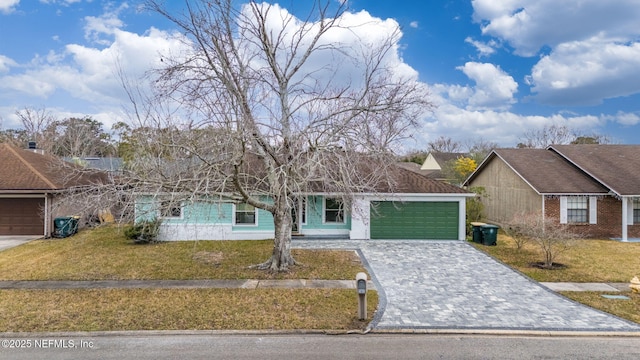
<point x="181" y="309"/>
<point x="587" y="261"/>
<point x="104" y="253"/>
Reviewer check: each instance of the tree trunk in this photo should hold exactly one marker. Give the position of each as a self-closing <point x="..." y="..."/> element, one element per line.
<point x="281" y="257"/>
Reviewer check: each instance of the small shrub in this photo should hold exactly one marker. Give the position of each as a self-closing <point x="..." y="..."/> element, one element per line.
<point x="143" y="232"/>
<point x="551" y="237"/>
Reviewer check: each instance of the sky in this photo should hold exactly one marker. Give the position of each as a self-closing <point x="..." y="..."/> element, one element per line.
<point x="494" y="69"/>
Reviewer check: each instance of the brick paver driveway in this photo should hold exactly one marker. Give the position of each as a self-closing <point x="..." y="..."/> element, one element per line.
<point x="451" y="285"/>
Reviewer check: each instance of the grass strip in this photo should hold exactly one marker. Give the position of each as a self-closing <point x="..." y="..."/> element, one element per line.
<point x="181" y="309"/>
<point x="626" y="309"/>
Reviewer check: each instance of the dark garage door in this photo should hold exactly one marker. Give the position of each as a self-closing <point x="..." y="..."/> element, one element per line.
<point x="21" y="216"/>
<point x="414" y="220"/>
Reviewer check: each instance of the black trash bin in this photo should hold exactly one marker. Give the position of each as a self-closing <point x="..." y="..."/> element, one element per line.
<point x="490" y="235"/>
<point x="65" y="226"/>
<point x="477" y="232"/>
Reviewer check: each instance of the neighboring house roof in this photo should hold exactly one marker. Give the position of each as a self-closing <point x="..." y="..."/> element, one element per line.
<point x="411" y="182"/>
<point x="574" y="169"/>
<point x="110" y="164"/>
<point x="440" y="158"/>
<point x="432" y="166"/>
<point x="414" y="167"/>
<point x="615" y="166"/>
<point x="28" y="171"/>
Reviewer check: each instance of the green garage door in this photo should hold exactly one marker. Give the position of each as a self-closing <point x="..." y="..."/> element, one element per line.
<point x="414" y="220"/>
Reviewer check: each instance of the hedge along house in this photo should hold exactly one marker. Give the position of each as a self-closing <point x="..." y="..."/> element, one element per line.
<point x="593" y="188"/>
<point x="31" y="187"/>
<point x="420" y="208"/>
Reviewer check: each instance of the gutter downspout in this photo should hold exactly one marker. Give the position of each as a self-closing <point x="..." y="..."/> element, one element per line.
<point x="46" y="215"/>
<point x="625" y="219"/>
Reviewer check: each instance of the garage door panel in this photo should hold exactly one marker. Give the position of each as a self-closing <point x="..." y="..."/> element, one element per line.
<point x="21" y="216"/>
<point x="415" y="220"/>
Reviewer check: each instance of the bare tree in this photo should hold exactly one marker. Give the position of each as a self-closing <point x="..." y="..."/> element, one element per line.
<point x="548" y="135"/>
<point x="552" y="238"/>
<point x="35" y="122"/>
<point x="78" y="137"/>
<point x="558" y="135"/>
<point x="262" y="108"/>
<point x="444" y="144"/>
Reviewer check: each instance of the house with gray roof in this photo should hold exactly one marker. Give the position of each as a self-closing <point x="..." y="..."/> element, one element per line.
<point x="593" y="188"/>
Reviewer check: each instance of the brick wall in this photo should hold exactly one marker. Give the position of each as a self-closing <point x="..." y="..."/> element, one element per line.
<point x="609" y="219"/>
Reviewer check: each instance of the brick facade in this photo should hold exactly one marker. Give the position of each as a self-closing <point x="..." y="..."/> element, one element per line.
<point x="609" y="219"/>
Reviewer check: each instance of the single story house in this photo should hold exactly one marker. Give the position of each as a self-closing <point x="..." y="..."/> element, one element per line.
<point x="30" y="187"/>
<point x="593" y="188"/>
<point x="421" y="208"/>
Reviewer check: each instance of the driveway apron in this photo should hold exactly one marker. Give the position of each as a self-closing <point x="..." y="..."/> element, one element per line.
<point x="451" y="285"/>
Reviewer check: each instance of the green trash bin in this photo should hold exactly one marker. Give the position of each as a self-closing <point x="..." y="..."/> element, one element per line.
<point x="477" y="232"/>
<point x="490" y="235"/>
<point x="65" y="226"/>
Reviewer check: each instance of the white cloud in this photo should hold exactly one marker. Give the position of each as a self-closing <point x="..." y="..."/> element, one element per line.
<point x="502" y="127"/>
<point x="529" y="25"/>
<point x="414" y="24"/>
<point x="628" y="119"/>
<point x="484" y="49"/>
<point x="6" y="63"/>
<point x="586" y="72"/>
<point x="494" y="88"/>
<point x="8" y="6"/>
<point x="106" y="24"/>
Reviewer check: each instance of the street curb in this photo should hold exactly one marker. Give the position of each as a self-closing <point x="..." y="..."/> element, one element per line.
<point x="486" y="332"/>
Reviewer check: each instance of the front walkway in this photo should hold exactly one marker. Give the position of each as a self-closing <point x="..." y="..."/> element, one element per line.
<point x="451" y="285"/>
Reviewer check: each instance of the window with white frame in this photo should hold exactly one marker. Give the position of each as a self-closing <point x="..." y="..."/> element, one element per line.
<point x="170" y="209"/>
<point x="245" y="214"/>
<point x="577" y="209"/>
<point x="636" y="211"/>
<point x="333" y="211"/>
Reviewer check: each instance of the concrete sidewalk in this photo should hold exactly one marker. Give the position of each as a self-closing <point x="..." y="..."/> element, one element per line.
<point x="182" y="284"/>
<point x="257" y="284"/>
<point x="602" y="287"/>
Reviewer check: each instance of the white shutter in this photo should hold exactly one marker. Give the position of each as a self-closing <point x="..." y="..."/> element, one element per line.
<point x="593" y="210"/>
<point x="563" y="209"/>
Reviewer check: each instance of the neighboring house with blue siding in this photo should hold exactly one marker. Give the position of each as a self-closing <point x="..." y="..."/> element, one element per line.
<point x="422" y="208"/>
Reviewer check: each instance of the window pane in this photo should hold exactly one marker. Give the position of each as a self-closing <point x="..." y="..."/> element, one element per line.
<point x="170" y="209"/>
<point x="577" y="215"/>
<point x="578" y="202"/>
<point x="245" y="214"/>
<point x="333" y="211"/>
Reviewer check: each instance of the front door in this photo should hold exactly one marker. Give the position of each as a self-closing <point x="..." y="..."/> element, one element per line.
<point x="298" y="215"/>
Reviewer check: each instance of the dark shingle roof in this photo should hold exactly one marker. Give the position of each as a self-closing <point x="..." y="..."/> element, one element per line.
<point x="443" y="157"/>
<point x="615" y="166"/>
<point x="546" y="172"/>
<point x="411" y="182"/>
<point x="24" y="171"/>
